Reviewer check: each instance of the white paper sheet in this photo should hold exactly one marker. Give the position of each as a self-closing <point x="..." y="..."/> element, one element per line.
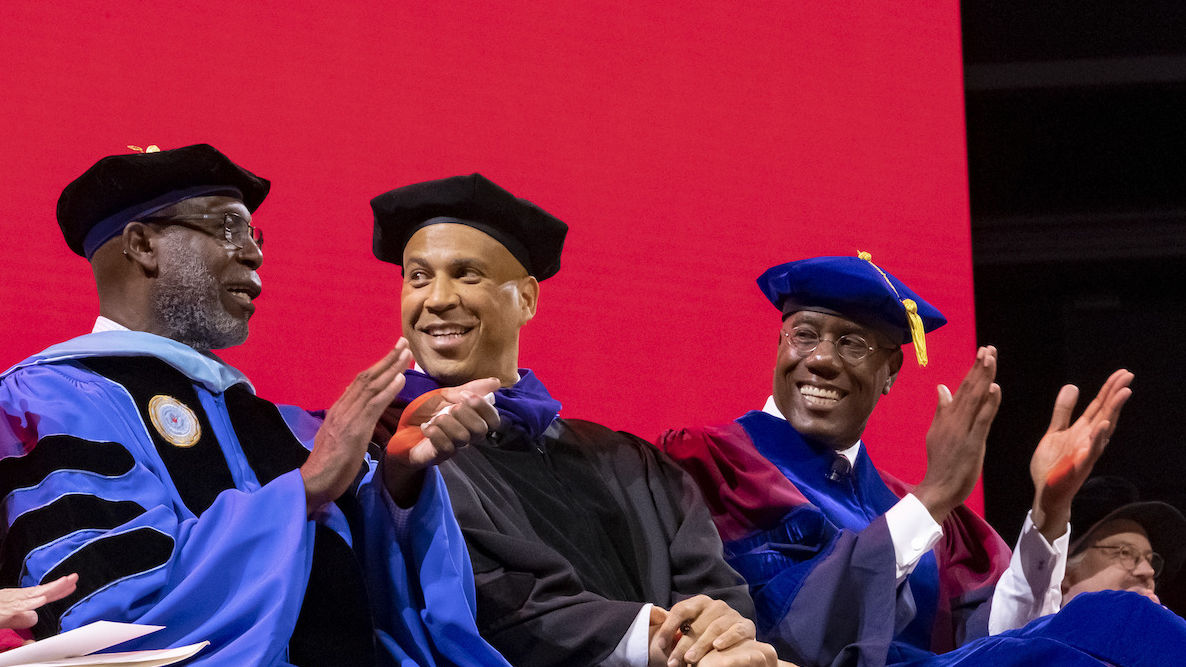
<point x="78" y="642"/>
<point x="153" y="658"/>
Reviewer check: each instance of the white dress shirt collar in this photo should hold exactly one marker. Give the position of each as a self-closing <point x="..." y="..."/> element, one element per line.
<point x="851" y="453"/>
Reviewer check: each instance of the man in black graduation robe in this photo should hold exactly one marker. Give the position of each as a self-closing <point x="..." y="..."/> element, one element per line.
<point x="574" y="530"/>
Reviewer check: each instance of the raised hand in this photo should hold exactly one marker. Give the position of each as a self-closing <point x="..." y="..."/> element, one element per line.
<point x="450" y="418"/>
<point x="956" y="438"/>
<point x="18" y="605"/>
<point x="1066" y="454"/>
<point x="342" y="440"/>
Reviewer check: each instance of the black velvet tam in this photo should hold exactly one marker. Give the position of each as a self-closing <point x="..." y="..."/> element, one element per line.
<point x="118" y="189"/>
<point x="1108" y="498"/>
<point x="532" y="235"/>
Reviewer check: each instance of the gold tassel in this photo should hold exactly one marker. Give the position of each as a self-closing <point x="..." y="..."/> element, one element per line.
<point x="917" y="333"/>
<point x="152" y="148"/>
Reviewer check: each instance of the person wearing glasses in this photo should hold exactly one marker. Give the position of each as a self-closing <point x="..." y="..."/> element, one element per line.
<point x="848" y="564"/>
<point x="1121" y="549"/>
<point x="1121" y="543"/>
<point x="136" y="458"/>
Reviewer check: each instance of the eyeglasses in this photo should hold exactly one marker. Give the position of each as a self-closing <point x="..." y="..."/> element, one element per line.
<point x="1128" y="556"/>
<point x="236" y="231"/>
<point x="850" y="347"/>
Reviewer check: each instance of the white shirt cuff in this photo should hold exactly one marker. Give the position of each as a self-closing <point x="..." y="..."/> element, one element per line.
<point x="633" y="650"/>
<point x="1032" y="586"/>
<point x="913" y="531"/>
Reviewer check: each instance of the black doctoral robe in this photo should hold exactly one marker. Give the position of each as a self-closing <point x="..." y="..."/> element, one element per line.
<point x="570" y="535"/>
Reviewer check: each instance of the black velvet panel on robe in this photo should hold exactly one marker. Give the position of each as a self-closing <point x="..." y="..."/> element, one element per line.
<point x="569" y="536"/>
<point x="334" y="626"/>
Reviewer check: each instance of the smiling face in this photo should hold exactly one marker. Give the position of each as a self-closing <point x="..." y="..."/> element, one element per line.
<point x="826" y="399"/>
<point x="464" y="299"/>
<point x="1095" y="569"/>
<point x="203" y="292"/>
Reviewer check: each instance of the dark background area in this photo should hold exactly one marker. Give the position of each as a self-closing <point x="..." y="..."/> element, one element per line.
<point x="1076" y="117"/>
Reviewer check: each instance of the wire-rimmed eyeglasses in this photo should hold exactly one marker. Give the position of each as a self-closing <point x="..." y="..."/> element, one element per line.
<point x="852" y="348"/>
<point x="1130" y="557"/>
<point x="236" y="231"/>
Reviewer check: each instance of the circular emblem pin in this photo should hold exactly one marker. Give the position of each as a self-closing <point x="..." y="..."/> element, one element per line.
<point x="176" y="423"/>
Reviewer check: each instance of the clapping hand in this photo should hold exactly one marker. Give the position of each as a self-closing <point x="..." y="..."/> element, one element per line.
<point x="1066" y="454"/>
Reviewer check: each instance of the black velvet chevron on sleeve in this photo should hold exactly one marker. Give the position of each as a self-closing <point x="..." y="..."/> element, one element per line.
<point x="68" y="514"/>
<point x="63" y="452"/>
<point x="98" y="563"/>
<point x="71" y="512"/>
<point x="102" y="561"/>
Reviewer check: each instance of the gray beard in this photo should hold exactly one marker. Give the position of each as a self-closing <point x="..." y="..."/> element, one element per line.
<point x="185" y="299"/>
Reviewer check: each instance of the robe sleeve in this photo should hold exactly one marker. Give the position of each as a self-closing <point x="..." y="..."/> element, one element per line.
<point x="823" y="595"/>
<point x="419" y="577"/>
<point x="85" y="492"/>
<point x="972" y="557"/>
<point x="698" y="565"/>
<point x="1095" y="629"/>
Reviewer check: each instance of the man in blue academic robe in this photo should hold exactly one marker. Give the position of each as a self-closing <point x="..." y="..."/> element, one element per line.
<point x="138" y="459"/>
<point x="847" y="564"/>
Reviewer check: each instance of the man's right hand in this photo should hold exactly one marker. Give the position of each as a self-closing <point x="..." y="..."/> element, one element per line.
<point x="703" y="631"/>
<point x="448" y="419"/>
<point x="1067" y="452"/>
<point x="701" y="624"/>
<point x="341" y="442"/>
<point x="956" y="439"/>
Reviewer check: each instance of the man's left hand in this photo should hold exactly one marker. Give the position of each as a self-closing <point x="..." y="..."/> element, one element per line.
<point x="1066" y="454"/>
<point x="749" y="653"/>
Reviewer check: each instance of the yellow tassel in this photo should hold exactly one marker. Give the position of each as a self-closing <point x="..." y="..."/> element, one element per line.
<point x="152" y="148"/>
<point x="917" y="334"/>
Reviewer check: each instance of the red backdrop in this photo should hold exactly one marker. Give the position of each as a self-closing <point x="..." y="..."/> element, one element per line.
<point x="688" y="145"/>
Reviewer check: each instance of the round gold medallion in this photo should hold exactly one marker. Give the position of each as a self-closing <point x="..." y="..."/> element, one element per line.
<point x="176" y="423"/>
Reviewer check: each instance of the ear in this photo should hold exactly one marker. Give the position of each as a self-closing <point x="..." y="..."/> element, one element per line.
<point x="139" y="245"/>
<point x="1073" y="574"/>
<point x="528" y="297"/>
<point x="895" y="365"/>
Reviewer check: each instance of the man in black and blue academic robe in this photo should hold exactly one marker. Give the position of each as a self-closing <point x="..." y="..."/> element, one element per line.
<point x="847" y="564"/>
<point x="137" y="458"/>
<point x="581" y="537"/>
